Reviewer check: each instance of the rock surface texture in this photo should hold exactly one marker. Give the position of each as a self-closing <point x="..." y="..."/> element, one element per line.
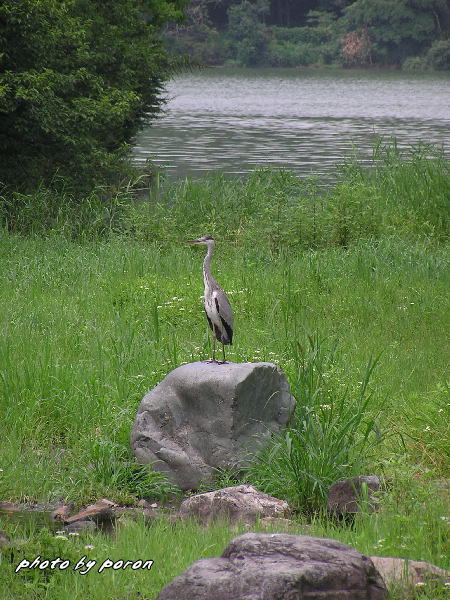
<point x="238" y="503"/>
<point x="279" y="566"/>
<point x="207" y="415"/>
<point x="410" y="573"/>
<point x="344" y="497"/>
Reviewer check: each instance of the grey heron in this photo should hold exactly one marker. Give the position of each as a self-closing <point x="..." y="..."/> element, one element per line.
<point x="217" y="307"/>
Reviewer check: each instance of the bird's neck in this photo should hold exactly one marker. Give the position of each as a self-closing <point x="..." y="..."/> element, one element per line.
<point x="207" y="277"/>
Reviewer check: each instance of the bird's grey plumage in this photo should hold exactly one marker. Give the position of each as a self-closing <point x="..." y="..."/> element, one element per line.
<point x="217" y="307"/>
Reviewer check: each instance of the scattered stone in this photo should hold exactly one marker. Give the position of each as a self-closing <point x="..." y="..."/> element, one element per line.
<point x="205" y="416"/>
<point x="99" y="512"/>
<point x="61" y="512"/>
<point x="404" y="572"/>
<point x="345" y="497"/>
<point x="8" y="507"/>
<point x="238" y="503"/>
<point x="269" y="566"/>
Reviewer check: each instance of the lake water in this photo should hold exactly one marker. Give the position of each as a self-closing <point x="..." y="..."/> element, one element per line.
<point x="233" y="120"/>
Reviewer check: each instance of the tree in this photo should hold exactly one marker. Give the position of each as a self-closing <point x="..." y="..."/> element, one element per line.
<point x="247" y="29"/>
<point x="397" y="28"/>
<point x="77" y="80"/>
<point x="356" y="48"/>
<point x="196" y="36"/>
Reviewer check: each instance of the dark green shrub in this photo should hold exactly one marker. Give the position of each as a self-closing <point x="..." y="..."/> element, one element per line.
<point x="415" y="64"/>
<point x="77" y="79"/>
<point x="289" y="54"/>
<point x="438" y="56"/>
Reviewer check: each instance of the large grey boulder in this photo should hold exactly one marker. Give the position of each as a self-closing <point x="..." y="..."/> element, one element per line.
<point x="279" y="566"/>
<point x="207" y="415"/>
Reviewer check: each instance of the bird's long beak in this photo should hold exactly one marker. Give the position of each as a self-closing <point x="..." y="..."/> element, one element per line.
<point x="192" y="242"/>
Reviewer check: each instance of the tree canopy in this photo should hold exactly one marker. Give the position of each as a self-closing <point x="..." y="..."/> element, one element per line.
<point x="293" y="33"/>
<point x="77" y="79"/>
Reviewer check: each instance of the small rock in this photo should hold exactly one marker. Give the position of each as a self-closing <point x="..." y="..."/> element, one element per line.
<point x="238" y="503"/>
<point x="344" y="497"/>
<point x="269" y="566"/>
<point x="7" y="507"/>
<point x="99" y="512"/>
<point x="61" y="512"/>
<point x="402" y="571"/>
<point x="142" y="503"/>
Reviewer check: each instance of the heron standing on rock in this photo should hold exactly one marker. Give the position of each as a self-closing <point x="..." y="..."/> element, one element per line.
<point x="217" y="307"/>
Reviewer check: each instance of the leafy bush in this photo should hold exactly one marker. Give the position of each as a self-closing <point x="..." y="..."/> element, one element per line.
<point x="289" y="54"/>
<point x="73" y="89"/>
<point x="415" y="63"/>
<point x="300" y="35"/>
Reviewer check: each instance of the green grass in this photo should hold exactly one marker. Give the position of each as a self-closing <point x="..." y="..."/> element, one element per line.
<point x="88" y="329"/>
<point x="173" y="547"/>
<point x="323" y="283"/>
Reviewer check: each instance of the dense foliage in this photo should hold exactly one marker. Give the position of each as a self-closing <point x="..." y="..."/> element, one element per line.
<point x="290" y="33"/>
<point x="77" y="78"/>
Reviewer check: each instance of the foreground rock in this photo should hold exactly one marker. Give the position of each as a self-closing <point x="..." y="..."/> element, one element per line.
<point x="346" y="496"/>
<point x="409" y="573"/>
<point x="206" y="415"/>
<point x="239" y="503"/>
<point x="100" y="512"/>
<point x="265" y="566"/>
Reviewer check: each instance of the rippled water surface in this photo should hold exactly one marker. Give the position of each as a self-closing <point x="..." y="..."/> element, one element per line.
<point x="307" y="121"/>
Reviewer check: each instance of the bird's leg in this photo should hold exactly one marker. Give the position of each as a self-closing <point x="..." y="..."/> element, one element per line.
<point x="223" y="352"/>
<point x="213" y="360"/>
